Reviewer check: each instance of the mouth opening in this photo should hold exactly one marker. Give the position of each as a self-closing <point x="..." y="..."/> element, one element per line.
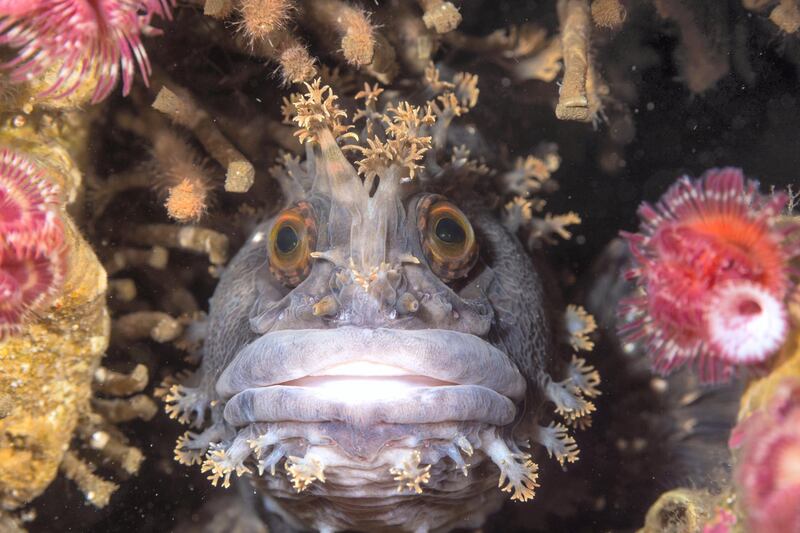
<point x="364" y="381"/>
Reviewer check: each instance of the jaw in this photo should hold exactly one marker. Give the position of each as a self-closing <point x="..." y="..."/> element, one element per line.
<point x="354" y="427"/>
<point x="364" y="377"/>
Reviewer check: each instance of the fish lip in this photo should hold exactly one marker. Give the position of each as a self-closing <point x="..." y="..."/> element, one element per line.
<point x="452" y="357"/>
<point x="423" y="405"/>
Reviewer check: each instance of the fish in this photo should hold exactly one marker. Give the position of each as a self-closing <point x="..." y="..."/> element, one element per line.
<point x="381" y="353"/>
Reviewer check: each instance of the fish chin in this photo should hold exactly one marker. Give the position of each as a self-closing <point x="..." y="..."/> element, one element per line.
<point x="376" y="417"/>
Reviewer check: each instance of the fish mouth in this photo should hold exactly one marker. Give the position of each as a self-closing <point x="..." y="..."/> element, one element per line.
<point x="366" y="376"/>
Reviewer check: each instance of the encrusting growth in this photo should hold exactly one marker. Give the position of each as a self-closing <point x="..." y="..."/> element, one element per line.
<point x="32" y="251"/>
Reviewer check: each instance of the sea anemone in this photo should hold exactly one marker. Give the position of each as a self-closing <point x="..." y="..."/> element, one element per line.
<point x="768" y="469"/>
<point x="32" y="261"/>
<point x="82" y="39"/>
<point x="711" y="265"/>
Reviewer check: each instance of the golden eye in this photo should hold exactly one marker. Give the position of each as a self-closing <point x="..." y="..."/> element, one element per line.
<point x="448" y="240"/>
<point x="291" y="240"/>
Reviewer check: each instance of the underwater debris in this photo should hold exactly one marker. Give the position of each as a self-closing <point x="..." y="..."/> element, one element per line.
<point x="72" y="46"/>
<point x="700" y="298"/>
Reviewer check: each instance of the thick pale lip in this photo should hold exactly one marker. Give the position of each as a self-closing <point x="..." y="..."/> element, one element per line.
<point x="358" y="375"/>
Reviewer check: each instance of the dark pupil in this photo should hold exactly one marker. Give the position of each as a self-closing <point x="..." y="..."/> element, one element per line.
<point x="286" y="240"/>
<point x="450" y="231"/>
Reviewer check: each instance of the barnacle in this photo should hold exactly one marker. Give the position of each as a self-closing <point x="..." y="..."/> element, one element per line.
<point x="584" y="378"/>
<point x="569" y="401"/>
<point x="558" y="442"/>
<point x="303" y="471"/>
<point x="186" y="404"/>
<point x="529" y="174"/>
<point x="224" y="459"/>
<point x="580" y="325"/>
<point x="410" y="474"/>
<point x="405" y="147"/>
<point x="518" y="473"/>
<point x="317" y="109"/>
<point x="191" y="447"/>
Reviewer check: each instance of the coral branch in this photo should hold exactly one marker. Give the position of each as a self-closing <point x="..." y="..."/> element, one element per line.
<point x="97" y="490"/>
<point x="113" y="447"/>
<point x="143" y="324"/>
<point x="181" y="107"/>
<point x="122" y="290"/>
<point x="127" y="409"/>
<point x="128" y="258"/>
<point x="118" y="383"/>
<point x="786" y="16"/>
<point x="189" y="238"/>
<point x="573" y="103"/>
<point x="703" y="61"/>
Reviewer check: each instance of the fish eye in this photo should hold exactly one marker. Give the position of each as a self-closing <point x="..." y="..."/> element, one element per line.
<point x="449" y="231"/>
<point x="291" y="240"/>
<point x="286" y="240"/>
<point x="448" y="240"/>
